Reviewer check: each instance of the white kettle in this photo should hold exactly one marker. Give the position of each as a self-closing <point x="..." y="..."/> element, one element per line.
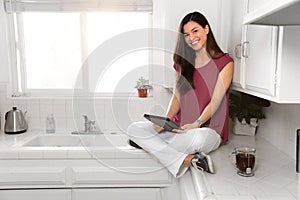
<point x="15" y="122"/>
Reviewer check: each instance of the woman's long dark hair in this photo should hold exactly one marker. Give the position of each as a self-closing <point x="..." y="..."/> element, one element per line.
<point x="184" y="56"/>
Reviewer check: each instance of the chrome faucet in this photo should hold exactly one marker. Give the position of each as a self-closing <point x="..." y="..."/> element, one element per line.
<point x="89" y="125"/>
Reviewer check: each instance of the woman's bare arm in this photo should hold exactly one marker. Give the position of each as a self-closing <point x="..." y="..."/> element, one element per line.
<point x="174" y="105"/>
<point x="222" y="85"/>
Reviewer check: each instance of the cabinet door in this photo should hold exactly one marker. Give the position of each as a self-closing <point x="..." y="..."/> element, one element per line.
<point x="259" y="59"/>
<point x="116" y="194"/>
<point x="258" y="4"/>
<point x="237" y="10"/>
<point x="39" y="194"/>
<point x="14" y="177"/>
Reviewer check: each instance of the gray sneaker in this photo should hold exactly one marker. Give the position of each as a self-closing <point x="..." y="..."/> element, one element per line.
<point x="203" y="162"/>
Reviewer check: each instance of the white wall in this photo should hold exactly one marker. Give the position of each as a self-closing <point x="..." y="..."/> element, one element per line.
<point x="280" y="125"/>
<point x="109" y="114"/>
<point x="4" y="61"/>
<point x="175" y="10"/>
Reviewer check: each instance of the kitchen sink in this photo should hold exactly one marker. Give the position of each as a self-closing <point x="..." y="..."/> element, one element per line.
<point x="54" y="140"/>
<point x="70" y="140"/>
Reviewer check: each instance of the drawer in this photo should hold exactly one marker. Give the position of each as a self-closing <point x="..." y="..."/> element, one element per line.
<point x="33" y="176"/>
<point x="116" y="194"/>
<point x="44" y="194"/>
<point x="146" y="176"/>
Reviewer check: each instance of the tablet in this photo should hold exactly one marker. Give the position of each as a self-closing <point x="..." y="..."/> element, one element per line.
<point x="164" y="122"/>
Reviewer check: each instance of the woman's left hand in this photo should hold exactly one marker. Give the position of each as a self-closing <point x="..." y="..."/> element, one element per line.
<point x="185" y="128"/>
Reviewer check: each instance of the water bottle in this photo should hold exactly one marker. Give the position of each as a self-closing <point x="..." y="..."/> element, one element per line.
<point x="50" y="124"/>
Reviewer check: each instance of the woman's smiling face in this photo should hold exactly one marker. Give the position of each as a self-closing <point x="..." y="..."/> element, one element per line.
<point x="195" y="36"/>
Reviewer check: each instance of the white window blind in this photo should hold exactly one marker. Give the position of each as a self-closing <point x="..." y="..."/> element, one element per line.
<point x="78" y="5"/>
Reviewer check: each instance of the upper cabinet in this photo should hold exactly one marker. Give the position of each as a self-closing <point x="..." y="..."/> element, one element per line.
<point x="274" y="12"/>
<point x="265" y="57"/>
<point x="259" y="59"/>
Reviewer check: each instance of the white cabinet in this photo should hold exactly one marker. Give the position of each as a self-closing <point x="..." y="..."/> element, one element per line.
<point x="128" y="176"/>
<point x="41" y="194"/>
<point x="116" y="194"/>
<point x="273" y="12"/>
<point x="256" y="4"/>
<point x="125" y="176"/>
<point x="259" y="59"/>
<point x="82" y="194"/>
<point x="253" y="49"/>
<point x="265" y="57"/>
<point x="32" y="176"/>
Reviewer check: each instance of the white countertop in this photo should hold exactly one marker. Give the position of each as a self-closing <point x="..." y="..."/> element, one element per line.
<point x="275" y="175"/>
<point x="11" y="148"/>
<point x="12" y="141"/>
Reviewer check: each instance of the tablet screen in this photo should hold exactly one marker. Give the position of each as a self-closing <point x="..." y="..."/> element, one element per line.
<point x="164" y="122"/>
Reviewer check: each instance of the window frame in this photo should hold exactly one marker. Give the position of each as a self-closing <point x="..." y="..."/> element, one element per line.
<point x="18" y="70"/>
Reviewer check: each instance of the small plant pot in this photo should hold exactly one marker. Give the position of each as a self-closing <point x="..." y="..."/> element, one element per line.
<point x="142" y="93"/>
<point x="242" y="128"/>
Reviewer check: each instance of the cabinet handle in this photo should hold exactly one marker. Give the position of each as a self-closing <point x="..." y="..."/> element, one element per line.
<point x="237" y="51"/>
<point x="245" y="49"/>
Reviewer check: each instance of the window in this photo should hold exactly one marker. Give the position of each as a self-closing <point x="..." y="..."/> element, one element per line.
<point x="52" y="50"/>
<point x="53" y="47"/>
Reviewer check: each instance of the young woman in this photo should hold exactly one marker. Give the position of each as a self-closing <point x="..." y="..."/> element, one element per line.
<point x="199" y="103"/>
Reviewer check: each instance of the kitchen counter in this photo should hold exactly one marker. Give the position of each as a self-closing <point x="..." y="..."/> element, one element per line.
<point x="11" y="148"/>
<point x="26" y="165"/>
<point x="12" y="141"/>
<point x="275" y="175"/>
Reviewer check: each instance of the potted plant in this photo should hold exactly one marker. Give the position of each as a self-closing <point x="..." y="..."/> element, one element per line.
<point x="142" y="86"/>
<point x="245" y="111"/>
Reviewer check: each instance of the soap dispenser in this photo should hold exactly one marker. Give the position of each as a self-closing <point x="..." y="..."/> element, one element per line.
<point x="50" y="124"/>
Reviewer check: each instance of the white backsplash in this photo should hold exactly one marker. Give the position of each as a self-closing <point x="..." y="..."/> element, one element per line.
<point x="110" y="115"/>
<point x="280" y="125"/>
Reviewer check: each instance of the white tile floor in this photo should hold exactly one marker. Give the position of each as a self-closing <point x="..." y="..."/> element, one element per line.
<point x="275" y="173"/>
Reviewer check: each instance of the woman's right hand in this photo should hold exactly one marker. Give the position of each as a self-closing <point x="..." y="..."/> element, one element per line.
<point x="157" y="128"/>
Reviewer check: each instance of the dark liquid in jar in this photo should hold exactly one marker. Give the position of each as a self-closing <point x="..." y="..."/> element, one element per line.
<point x="244" y="161"/>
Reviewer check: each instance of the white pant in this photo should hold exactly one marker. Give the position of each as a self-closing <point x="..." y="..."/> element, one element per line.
<point x="171" y="149"/>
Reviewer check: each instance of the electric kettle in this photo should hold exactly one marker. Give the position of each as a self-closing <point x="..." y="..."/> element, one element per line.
<point x="15" y="122"/>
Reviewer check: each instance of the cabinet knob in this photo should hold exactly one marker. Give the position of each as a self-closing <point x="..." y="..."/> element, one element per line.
<point x="237" y="51"/>
<point x="245" y="49"/>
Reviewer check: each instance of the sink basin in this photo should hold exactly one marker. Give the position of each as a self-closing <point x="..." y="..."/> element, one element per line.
<point x="70" y="140"/>
<point x="87" y="133"/>
<point x="54" y="140"/>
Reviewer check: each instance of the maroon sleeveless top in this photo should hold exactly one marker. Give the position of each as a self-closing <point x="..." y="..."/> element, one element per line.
<point x="195" y="100"/>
